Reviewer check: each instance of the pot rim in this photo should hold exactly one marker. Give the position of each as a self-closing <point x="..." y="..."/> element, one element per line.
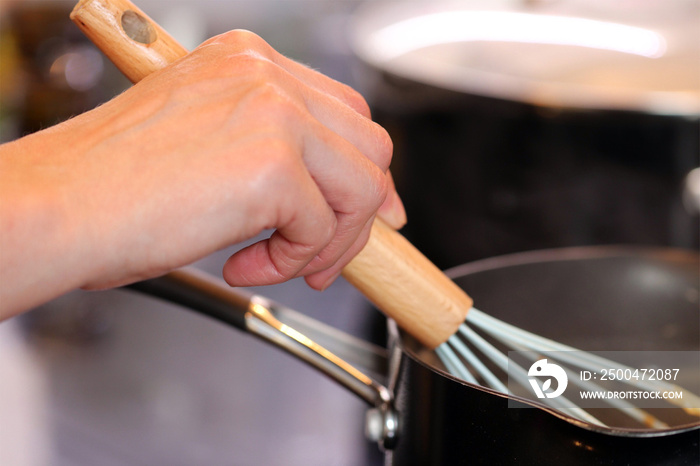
<point x="376" y="29"/>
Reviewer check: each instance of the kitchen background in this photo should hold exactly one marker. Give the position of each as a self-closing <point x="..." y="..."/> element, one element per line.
<point x="111" y="378"/>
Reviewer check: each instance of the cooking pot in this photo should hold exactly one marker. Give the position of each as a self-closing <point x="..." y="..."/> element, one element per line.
<point x="595" y="298"/>
<point x="518" y="127"/>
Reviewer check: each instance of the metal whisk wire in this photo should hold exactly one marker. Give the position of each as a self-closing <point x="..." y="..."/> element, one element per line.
<point x="459" y="356"/>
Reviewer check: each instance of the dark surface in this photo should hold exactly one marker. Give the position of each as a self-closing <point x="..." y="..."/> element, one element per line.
<point x="482" y="177"/>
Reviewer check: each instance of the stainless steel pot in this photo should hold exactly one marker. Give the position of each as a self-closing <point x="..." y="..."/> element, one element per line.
<point x="511" y="134"/>
<point x="594" y="298"/>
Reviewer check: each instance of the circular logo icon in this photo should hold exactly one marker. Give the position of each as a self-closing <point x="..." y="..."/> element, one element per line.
<point x="546" y="372"/>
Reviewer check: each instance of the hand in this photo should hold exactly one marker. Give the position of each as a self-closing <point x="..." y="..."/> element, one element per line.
<point x="229" y="141"/>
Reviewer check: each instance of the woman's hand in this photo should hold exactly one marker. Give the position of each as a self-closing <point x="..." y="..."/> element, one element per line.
<point x="229" y="141"/>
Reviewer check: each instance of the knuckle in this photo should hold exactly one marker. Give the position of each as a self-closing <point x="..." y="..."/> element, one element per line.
<point x="236" y="49"/>
<point x="385" y="148"/>
<point x="269" y="95"/>
<point x="279" y="161"/>
<point x="240" y="39"/>
<point x="275" y="104"/>
<point x="355" y="100"/>
<point x="248" y="62"/>
<point x="326" y="235"/>
<point x="281" y="156"/>
<point x="372" y="194"/>
<point x="382" y="190"/>
<point x="289" y="264"/>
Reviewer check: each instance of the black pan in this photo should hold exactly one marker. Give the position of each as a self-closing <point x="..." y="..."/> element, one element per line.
<point x="629" y="299"/>
<point x="592" y="298"/>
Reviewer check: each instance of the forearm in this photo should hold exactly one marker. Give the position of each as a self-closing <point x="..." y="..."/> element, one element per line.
<point x="41" y="252"/>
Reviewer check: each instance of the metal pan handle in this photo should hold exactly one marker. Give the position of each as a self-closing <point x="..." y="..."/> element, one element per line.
<point x="280" y="326"/>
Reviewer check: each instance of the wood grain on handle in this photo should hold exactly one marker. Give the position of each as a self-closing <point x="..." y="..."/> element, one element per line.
<point x="407" y="287"/>
<point x="390" y="271"/>
<point x="135" y="43"/>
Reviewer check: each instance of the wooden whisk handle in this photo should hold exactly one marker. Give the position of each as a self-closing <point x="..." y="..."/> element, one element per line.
<point x="407" y="287"/>
<point x="135" y="43"/>
<point x="390" y="271"/>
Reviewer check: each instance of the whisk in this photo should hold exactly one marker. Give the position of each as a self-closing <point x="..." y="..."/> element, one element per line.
<point x="402" y="282"/>
<point x="392" y="273"/>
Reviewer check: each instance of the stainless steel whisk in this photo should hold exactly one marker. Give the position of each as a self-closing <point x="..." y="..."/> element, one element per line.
<point x="460" y="352"/>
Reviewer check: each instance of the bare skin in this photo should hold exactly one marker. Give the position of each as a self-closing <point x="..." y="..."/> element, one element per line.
<point x="229" y="141"/>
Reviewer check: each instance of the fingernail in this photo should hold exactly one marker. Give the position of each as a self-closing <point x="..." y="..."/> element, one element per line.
<point x="330" y="280"/>
<point x="393" y="211"/>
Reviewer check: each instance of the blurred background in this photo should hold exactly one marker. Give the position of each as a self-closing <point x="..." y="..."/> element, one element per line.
<point x="505" y="140"/>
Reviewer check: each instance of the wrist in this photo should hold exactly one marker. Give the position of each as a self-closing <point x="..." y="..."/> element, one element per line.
<point x="43" y="252"/>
